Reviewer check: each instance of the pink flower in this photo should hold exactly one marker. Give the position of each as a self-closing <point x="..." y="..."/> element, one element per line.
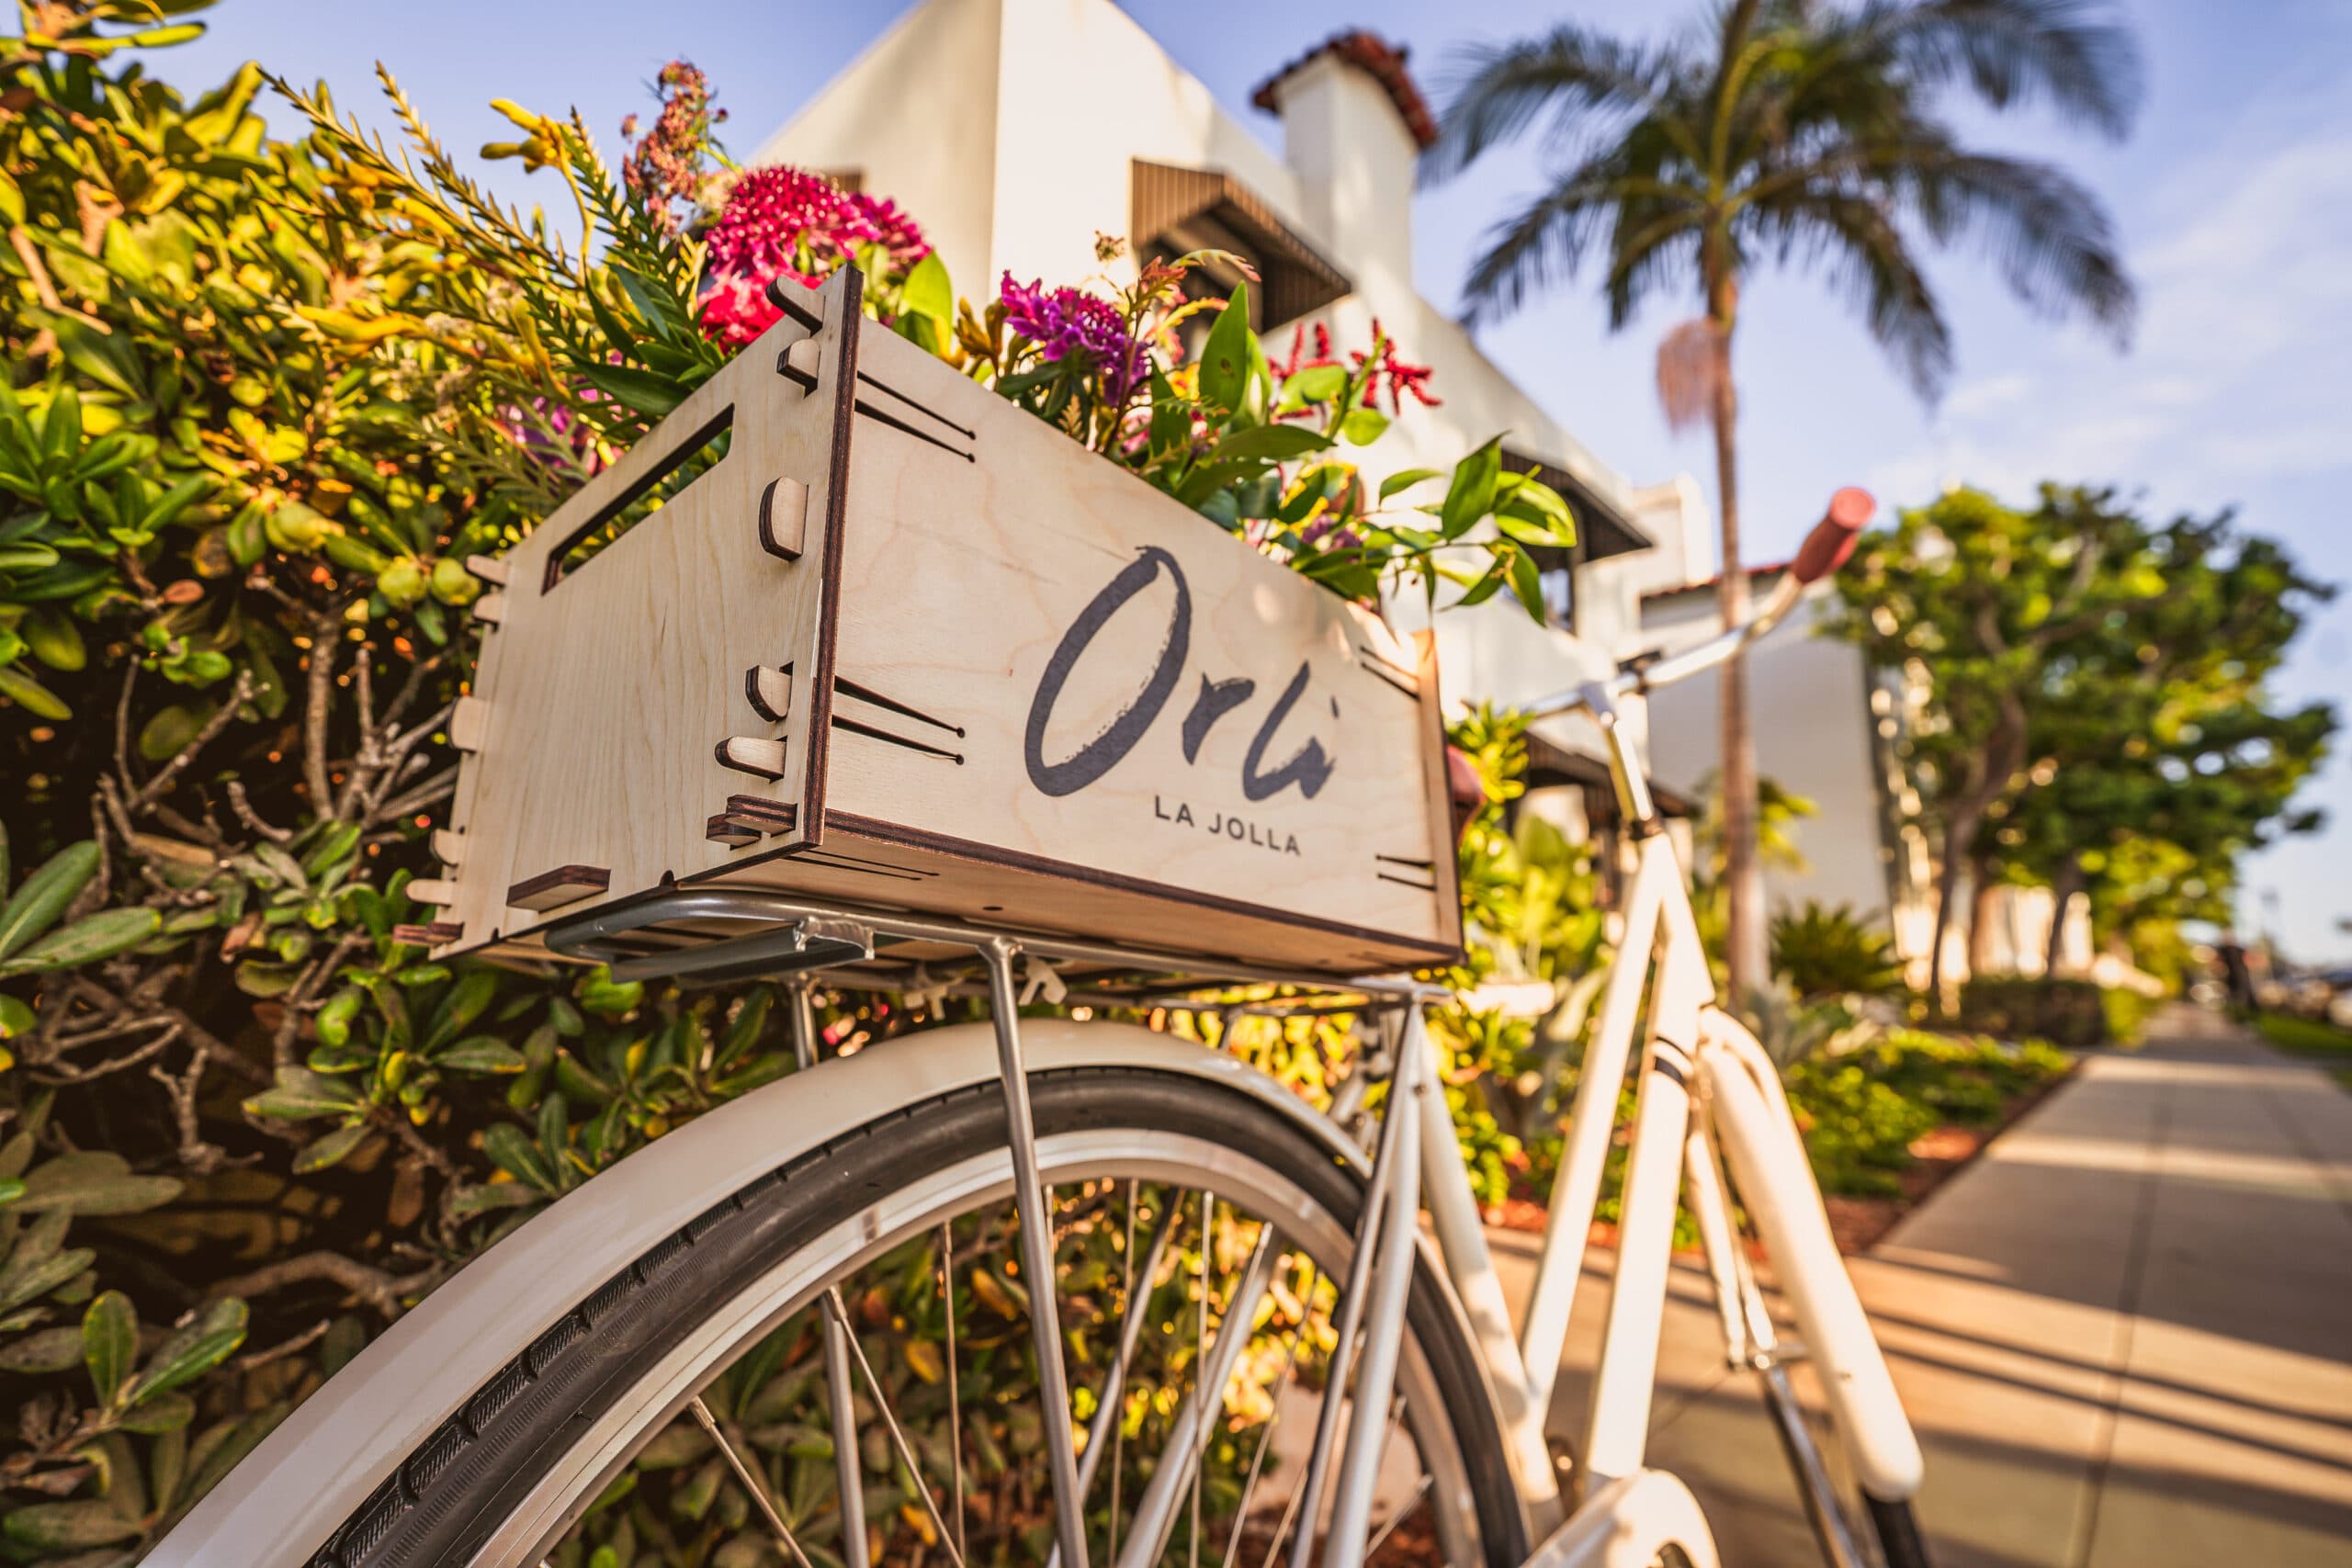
<point x="1068" y="324"/>
<point x="787" y="222"/>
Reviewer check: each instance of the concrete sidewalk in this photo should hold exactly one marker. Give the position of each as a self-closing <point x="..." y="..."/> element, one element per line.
<point x="2124" y="1333"/>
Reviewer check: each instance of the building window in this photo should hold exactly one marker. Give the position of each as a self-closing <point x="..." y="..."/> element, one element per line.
<point x="1560" y="595"/>
<point x="1174" y="211"/>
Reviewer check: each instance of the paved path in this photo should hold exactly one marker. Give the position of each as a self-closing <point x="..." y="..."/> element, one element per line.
<point x="2125" y="1333"/>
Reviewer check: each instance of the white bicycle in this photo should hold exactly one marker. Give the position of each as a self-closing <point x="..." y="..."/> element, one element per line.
<point x="808" y="1328"/>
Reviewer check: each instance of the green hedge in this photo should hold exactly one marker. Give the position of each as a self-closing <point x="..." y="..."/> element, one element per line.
<point x="2065" y="1012"/>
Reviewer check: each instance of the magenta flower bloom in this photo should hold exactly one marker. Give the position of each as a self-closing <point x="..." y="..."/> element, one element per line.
<point x="785" y="222"/>
<point x="1071" y="323"/>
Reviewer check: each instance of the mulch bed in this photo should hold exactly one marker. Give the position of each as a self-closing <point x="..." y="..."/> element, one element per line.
<point x="1859" y="1223"/>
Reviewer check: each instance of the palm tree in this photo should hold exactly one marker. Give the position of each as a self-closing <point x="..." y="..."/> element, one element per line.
<point x="1790" y="131"/>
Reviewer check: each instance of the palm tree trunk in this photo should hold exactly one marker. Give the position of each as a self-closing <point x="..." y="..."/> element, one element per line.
<point x="1745" y="954"/>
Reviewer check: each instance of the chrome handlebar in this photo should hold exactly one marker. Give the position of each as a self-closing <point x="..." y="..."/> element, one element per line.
<point x="1823" y="551"/>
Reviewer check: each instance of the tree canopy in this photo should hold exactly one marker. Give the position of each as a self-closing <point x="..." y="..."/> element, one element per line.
<point x="2097" y="715"/>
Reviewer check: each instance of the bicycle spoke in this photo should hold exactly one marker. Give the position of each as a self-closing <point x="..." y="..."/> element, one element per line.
<point x="847" y="1471"/>
<point x="1034" y="1207"/>
<point x="954" y="1378"/>
<point x="1119" y="1427"/>
<point x="752" y="1484"/>
<point x="897" y="1434"/>
<point x="1421" y="1495"/>
<point x="1195" y="1423"/>
<point x="1200" y="1353"/>
<point x="1105" y="1425"/>
<point x="1274" y="1414"/>
<point x="1395" y="1149"/>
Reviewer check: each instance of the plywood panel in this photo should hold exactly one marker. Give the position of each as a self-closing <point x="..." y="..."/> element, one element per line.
<point x="1254" y="751"/>
<point x="607" y="694"/>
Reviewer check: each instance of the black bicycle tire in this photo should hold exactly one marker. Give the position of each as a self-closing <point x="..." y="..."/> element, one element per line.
<point x="439" y="1506"/>
<point x="1900" y="1544"/>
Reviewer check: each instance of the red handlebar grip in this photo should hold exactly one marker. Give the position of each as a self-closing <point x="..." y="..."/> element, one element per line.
<point x="1832" y="540"/>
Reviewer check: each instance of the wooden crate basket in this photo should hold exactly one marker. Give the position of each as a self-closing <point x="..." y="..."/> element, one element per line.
<point x="905" y="646"/>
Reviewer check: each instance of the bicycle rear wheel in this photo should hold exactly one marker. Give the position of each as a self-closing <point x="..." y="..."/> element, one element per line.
<point x="645" y="1426"/>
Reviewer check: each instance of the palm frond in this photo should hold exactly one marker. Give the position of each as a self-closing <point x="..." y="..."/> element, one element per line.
<point x="1545" y="241"/>
<point x="1851" y="235"/>
<point x="1494" y="92"/>
<point x="2010" y="53"/>
<point x="2048" y="234"/>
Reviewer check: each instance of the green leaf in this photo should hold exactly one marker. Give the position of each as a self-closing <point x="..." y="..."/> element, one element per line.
<point x="1225" y="357"/>
<point x="331" y="1149"/>
<point x="1528" y="583"/>
<point x="50" y="1350"/>
<point x="927" y="291"/>
<point x="110" y="1344"/>
<point x="106" y="358"/>
<point x="1471" y="494"/>
<point x="648" y="393"/>
<point x="300" y="1093"/>
<point x="490" y="1196"/>
<point x="193" y="1350"/>
<point x="15" y="1017"/>
<point x="481" y="1053"/>
<point x="45" y="895"/>
<point x="1406" y="479"/>
<point x="100" y="936"/>
<point x="1316" y="384"/>
<point x="1278" y="443"/>
<point x="163" y="1412"/>
<point x="1363" y="426"/>
<point x="1172" y="417"/>
<point x="31" y="695"/>
<point x="61" y="430"/>
<point x="66" y="1526"/>
<point x="465" y="1002"/>
<point x="600" y="993"/>
<point x="94" y="1181"/>
<point x="21" y="1283"/>
<point x="512" y="1149"/>
<point x="168" y="731"/>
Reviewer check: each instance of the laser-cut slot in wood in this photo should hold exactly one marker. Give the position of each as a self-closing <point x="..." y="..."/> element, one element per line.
<point x="845" y="686"/>
<point x="875" y="732"/>
<point x="966" y="432"/>
<point x="851" y="863"/>
<point x="895" y="423"/>
<point x="612" y="520"/>
<point x="1404" y="681"/>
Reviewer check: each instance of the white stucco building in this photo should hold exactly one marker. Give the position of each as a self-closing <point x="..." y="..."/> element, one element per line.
<point x="966" y="113"/>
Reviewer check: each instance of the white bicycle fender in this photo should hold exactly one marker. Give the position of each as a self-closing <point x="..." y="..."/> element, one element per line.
<point x="306" y="1478"/>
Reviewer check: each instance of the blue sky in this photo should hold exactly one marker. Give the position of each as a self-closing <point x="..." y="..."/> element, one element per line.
<point x="2233" y="199"/>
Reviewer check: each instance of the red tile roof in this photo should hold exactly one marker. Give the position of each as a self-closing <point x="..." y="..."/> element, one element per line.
<point x="1382" y="61"/>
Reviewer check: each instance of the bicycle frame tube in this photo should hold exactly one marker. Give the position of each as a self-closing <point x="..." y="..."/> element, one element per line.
<point x="1617" y="1430"/>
